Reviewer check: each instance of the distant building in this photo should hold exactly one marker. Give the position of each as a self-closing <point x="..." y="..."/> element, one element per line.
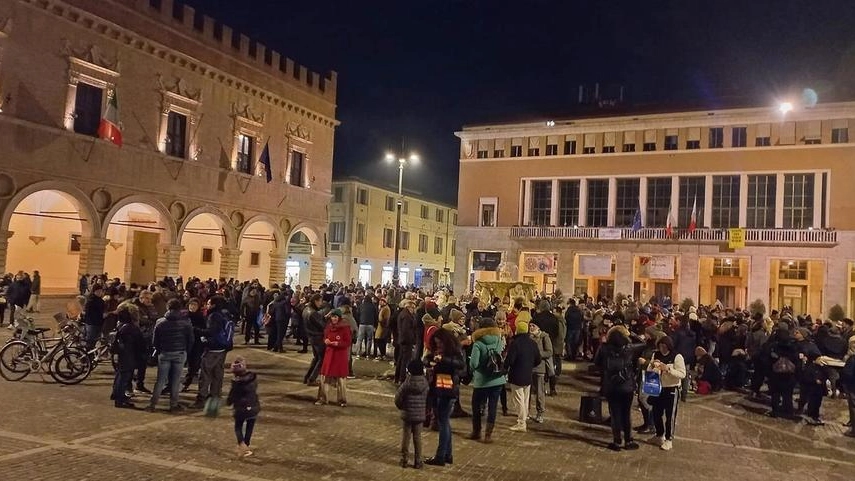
<point x="563" y="197"/>
<point x="362" y="236"/>
<point x="186" y="192"/>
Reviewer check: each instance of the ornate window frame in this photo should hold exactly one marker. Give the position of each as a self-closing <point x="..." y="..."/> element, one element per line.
<point x="252" y="125"/>
<point x="80" y="70"/>
<point x="181" y="100"/>
<point x="298" y="139"/>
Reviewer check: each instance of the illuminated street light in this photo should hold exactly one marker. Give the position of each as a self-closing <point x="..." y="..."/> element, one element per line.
<point x="402" y="161"/>
<point x="785" y="107"/>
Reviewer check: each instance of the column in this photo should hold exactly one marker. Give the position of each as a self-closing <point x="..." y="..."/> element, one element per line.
<point x="168" y="258"/>
<point x="675" y="201"/>
<point x="92" y="252"/>
<point x="818" y="221"/>
<point x="70" y="100"/>
<point x="565" y="272"/>
<point x="708" y="202"/>
<point x="317" y="270"/>
<point x="743" y="199"/>
<point x="553" y="205"/>
<point x="229" y="262"/>
<point x="612" y="202"/>
<point x="4" y="248"/>
<point x="583" y="202"/>
<point x="624" y="277"/>
<point x="277" y="267"/>
<point x="526" y="204"/>
<point x="758" y="280"/>
<point x="689" y="280"/>
<point x="642" y="200"/>
<point x="779" y="201"/>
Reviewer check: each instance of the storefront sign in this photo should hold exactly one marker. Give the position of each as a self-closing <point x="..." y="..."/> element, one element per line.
<point x="544" y="263"/>
<point x="736" y="238"/>
<point x="792" y="292"/>
<point x="660" y="267"/>
<point x="595" y="266"/>
<point x="609" y="233"/>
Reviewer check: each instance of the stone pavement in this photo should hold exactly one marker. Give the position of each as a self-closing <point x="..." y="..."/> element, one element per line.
<point x="53" y="432"/>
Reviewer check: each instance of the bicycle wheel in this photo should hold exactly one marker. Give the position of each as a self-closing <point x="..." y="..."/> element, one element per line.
<point x="71" y="366"/>
<point x="16" y="360"/>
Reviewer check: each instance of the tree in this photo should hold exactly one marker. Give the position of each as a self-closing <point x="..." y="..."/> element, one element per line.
<point x="757" y="307"/>
<point x="836" y="313"/>
<point x="686" y="303"/>
<point x="619" y="298"/>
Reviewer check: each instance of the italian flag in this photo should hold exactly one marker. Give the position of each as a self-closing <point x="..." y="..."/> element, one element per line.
<point x="693" y="222"/>
<point x="109" y="129"/>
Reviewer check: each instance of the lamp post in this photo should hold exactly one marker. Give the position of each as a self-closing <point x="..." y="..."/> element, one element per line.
<point x="402" y="161"/>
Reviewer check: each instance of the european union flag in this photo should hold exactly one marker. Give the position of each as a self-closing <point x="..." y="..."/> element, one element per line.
<point x="636" y="221"/>
<point x="265" y="161"/>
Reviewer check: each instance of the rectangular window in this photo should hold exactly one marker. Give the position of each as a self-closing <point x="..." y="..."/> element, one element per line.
<point x="388" y="238"/>
<point x="390" y="203"/>
<point x="693" y="144"/>
<point x="254" y="259"/>
<point x="440" y="215"/>
<point x="598" y="203"/>
<point x="360" y="234"/>
<point x="297" y="159"/>
<point x="793" y="270"/>
<point x="207" y="255"/>
<point x="568" y="202"/>
<point x="405" y="240"/>
<point x="813" y="141"/>
<point x="338" y="194"/>
<point x="74" y="243"/>
<point x="337" y="232"/>
<point x="437" y="245"/>
<point x="627" y="201"/>
<point x="739" y="137"/>
<point x="551" y="149"/>
<point x="516" y="151"/>
<point x="761" y="201"/>
<point x="608" y="149"/>
<point x="569" y="147"/>
<point x="725" y="201"/>
<point x="87" y="109"/>
<point x="362" y="196"/>
<point x="498" y="153"/>
<point x="840" y="136"/>
<point x="482" y="154"/>
<point x="453" y="246"/>
<point x="541" y="202"/>
<point x="454" y="219"/>
<point x="716" y="137"/>
<point x="649" y="146"/>
<point x="692" y="189"/>
<point x="405" y="207"/>
<point x="671" y="142"/>
<point x="176" y="134"/>
<point x="763" y="142"/>
<point x="629" y="147"/>
<point x="658" y="201"/>
<point x="725" y="267"/>
<point x="488" y="213"/>
<point x="425" y="213"/>
<point x="246" y="145"/>
<point x="423" y="243"/>
<point x="798" y="201"/>
<point x="533" y="152"/>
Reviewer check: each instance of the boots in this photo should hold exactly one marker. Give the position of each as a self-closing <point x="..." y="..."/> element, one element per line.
<point x="474" y="435"/>
<point x="488" y="435"/>
<point x="458" y="411"/>
<point x="404" y="462"/>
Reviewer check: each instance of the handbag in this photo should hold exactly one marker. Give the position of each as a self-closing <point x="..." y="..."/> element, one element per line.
<point x="152" y="359"/>
<point x="651" y="384"/>
<point x="550" y="367"/>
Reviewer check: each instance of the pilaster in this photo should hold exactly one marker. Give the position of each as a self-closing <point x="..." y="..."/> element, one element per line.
<point x="168" y="258"/>
<point x="92" y="252"/>
<point x="277" y="267"/>
<point x="229" y="262"/>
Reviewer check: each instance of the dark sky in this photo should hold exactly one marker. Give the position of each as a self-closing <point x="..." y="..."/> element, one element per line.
<point x="416" y="71"/>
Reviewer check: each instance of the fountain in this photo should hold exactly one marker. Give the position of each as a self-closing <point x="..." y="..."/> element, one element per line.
<point x="506" y="285"/>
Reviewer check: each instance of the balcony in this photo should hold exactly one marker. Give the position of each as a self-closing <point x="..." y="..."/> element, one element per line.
<point x="814" y="237"/>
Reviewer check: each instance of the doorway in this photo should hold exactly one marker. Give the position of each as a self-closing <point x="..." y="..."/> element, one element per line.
<point x="606" y="289"/>
<point x="726" y="295"/>
<point x="793" y="296"/>
<point x="144" y="257"/>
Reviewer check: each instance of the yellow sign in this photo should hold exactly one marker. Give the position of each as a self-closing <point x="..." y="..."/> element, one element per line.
<point x="736" y="238"/>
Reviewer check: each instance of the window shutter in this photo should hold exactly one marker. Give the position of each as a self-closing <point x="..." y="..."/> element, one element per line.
<point x="764" y="130"/>
<point x="839" y="124"/>
<point x="570" y="138"/>
<point x="788" y="133"/>
<point x="671" y="132"/>
<point x="517" y="141"/>
<point x="694" y="133"/>
<point x="649" y="136"/>
<point x="590" y="140"/>
<point x="500" y="144"/>
<point x="533" y="142"/>
<point x="629" y="137"/>
<point x="813" y="129"/>
<point x="552" y="140"/>
<point x="608" y="139"/>
<point x="483" y="145"/>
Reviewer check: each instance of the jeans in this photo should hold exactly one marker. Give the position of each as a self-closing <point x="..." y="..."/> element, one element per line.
<point x="244" y="436"/>
<point x="120" y="384"/>
<point x="169" y="367"/>
<point x="538" y="392"/>
<point x="211" y="380"/>
<point x="665" y="405"/>
<point x="443" y="419"/>
<point x="521" y="394"/>
<point x="92" y="334"/>
<point x="364" y="338"/>
<point x="481" y="395"/>
<point x="251" y="329"/>
<point x="414" y="431"/>
<point x="620" y="409"/>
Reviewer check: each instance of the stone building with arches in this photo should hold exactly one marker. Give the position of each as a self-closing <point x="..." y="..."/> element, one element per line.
<point x="185" y="192"/>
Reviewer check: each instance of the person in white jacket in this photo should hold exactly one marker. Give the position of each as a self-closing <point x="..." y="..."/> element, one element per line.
<point x="672" y="369"/>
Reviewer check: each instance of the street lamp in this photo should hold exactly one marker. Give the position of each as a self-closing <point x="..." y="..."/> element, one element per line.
<point x="402" y="161"/>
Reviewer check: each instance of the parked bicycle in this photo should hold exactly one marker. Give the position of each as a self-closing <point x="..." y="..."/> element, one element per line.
<point x="59" y="357"/>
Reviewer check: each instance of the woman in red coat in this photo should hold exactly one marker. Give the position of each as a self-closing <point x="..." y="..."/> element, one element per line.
<point x="334" y="370"/>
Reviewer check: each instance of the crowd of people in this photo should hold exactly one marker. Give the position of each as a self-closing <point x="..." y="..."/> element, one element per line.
<point x="650" y="354"/>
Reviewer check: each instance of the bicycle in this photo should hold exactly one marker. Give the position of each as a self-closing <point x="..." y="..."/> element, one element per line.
<point x="64" y="362"/>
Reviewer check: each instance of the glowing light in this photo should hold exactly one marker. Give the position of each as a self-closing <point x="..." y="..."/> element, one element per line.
<point x="785" y="107"/>
<point x="550" y="123"/>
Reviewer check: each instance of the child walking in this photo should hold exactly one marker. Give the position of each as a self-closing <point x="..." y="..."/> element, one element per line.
<point x="244" y="397"/>
<point x="411" y="399"/>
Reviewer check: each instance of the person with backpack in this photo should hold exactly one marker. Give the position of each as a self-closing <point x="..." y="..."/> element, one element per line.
<point x="523" y="356"/>
<point x="618" y="360"/>
<point x="780" y="357"/>
<point x="671" y="368"/>
<point x="488" y="375"/>
<point x="219" y="339"/>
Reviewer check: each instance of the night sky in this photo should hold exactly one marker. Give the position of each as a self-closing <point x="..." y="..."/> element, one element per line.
<point x="413" y="72"/>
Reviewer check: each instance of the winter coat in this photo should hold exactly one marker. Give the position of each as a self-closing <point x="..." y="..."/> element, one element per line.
<point x="315" y="324"/>
<point x="337" y="356"/>
<point x="548" y="323"/>
<point x="407" y="328"/>
<point x="544" y="345"/>
<point x="368" y="313"/>
<point x="755" y="340"/>
<point x="710" y="372"/>
<point x="130" y="347"/>
<point x="36" y="286"/>
<point x="383" y="332"/>
<point x="173" y="333"/>
<point x="574" y="319"/>
<point x="485" y="340"/>
<point x="449" y="366"/>
<point x="523" y="356"/>
<point x="18" y="293"/>
<point x="94" y="311"/>
<point x="627" y="356"/>
<point x="685" y="342"/>
<point x="411" y="398"/>
<point x="244" y="396"/>
<point x="780" y="345"/>
<point x="676" y="371"/>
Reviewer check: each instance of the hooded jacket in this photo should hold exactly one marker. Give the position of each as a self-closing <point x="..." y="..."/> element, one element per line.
<point x="173" y="333"/>
<point x="523" y="357"/>
<point x="544" y="346"/>
<point x="244" y="396"/>
<point x="485" y="340"/>
<point x="411" y="398"/>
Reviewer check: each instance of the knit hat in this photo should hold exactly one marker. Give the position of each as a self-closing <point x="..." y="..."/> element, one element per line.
<point x="335" y="312"/>
<point x="487" y="322"/>
<point x="427" y="318"/>
<point x="522" y="327"/>
<point x="416" y="368"/>
<point x="239" y="366"/>
<point x="455" y="315"/>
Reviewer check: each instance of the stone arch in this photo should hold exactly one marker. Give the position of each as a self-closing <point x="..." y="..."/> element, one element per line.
<point x="171" y="236"/>
<point x="310" y="232"/>
<point x="222" y="219"/>
<point x="277" y="231"/>
<point x="77" y="197"/>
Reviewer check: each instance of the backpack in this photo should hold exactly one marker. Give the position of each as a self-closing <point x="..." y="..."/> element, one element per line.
<point x="494" y="364"/>
<point x="225" y="338"/>
<point x="783" y="366"/>
<point x="618" y="372"/>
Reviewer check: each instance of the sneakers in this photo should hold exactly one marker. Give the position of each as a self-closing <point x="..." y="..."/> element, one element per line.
<point x="815" y="422"/>
<point x="667" y="445"/>
<point x="434" y="461"/>
<point x="539" y="419"/>
<point x="320" y="403"/>
<point x="656" y="440"/>
<point x="143" y="390"/>
<point x="518" y="427"/>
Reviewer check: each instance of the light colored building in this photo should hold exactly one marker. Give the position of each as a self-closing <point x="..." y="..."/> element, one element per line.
<point x="362" y="236"/>
<point x="186" y="192"/>
<point x="563" y="195"/>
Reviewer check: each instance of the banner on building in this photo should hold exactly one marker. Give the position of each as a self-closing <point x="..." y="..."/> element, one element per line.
<point x="735" y="238"/>
<point x="607" y="233"/>
<point x="656" y="267"/>
<point x="486" y="261"/>
<point x="595" y="266"/>
<point x="543" y="263"/>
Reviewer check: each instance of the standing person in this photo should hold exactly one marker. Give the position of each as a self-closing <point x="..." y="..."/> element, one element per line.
<point x="685" y="341"/>
<point x="129" y="347"/>
<point x="523" y="357"/>
<point x="194" y="358"/>
<point x="411" y="399"/>
<point x="93" y="316"/>
<point x="315" y="325"/>
<point x="575" y="319"/>
<point x="337" y="340"/>
<point x="383" y="332"/>
<point x="672" y="369"/>
<point x="618" y="363"/>
<point x="538" y="381"/>
<point x="250" y="307"/>
<point x="446" y="359"/>
<point x="173" y="339"/>
<point x="781" y="357"/>
<point x="219" y="339"/>
<point x="488" y="378"/>
<point x="407" y="328"/>
<point x="18" y="296"/>
<point x="243" y="395"/>
<point x="147" y="317"/>
<point x="548" y="323"/>
<point x="83" y="284"/>
<point x="281" y="316"/>
<point x="298" y="324"/>
<point x="368" y="315"/>
<point x="35" y="292"/>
